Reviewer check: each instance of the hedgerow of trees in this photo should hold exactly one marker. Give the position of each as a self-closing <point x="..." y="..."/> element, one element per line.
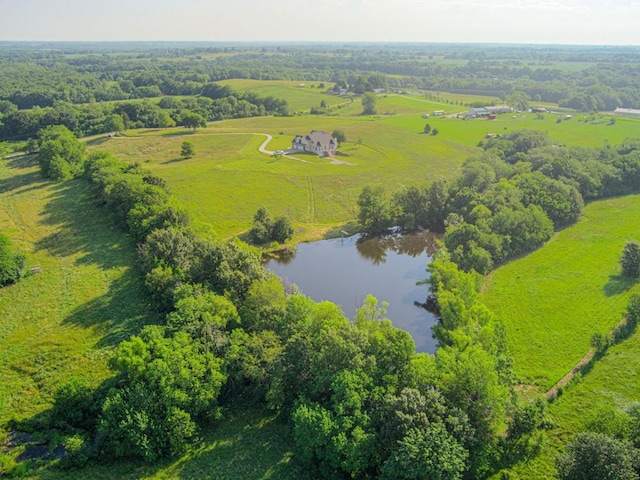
<point x="508" y="200"/>
<point x="90" y="119"/>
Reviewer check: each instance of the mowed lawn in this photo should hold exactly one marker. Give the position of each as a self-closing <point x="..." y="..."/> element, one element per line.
<point x="553" y="300"/>
<point x="67" y="319"/>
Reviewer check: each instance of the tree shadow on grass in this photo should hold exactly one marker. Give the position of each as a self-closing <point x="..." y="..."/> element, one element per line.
<point x="119" y="313"/>
<point x="174" y="160"/>
<point x="30" y="180"/>
<point x="83" y="228"/>
<point x="98" y="141"/>
<point x="618" y="284"/>
<point x="248" y="443"/>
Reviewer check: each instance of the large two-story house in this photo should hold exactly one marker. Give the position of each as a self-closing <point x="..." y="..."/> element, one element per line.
<point x="318" y="142"/>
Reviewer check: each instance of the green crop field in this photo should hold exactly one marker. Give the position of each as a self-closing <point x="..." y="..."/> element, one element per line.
<point x="553" y="300"/>
<point x="65" y="320"/>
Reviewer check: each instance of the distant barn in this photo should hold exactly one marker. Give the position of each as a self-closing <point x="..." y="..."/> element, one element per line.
<point x="488" y="112"/>
<point x="627" y="112"/>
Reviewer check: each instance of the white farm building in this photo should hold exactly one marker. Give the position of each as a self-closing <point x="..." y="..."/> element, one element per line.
<point x="627" y="112"/>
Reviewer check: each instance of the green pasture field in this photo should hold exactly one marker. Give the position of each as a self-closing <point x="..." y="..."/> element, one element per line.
<point x="229" y="179"/>
<point x="553" y="300"/>
<point x="461" y="97"/>
<point x="612" y="383"/>
<point x="87" y="297"/>
<point x="399" y="104"/>
<point x="562" y="66"/>
<point x="301" y="95"/>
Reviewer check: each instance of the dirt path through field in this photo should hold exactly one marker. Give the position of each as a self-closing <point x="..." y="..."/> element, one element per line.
<point x="553" y="392"/>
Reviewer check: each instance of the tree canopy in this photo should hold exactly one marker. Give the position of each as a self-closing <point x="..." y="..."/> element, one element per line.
<point x="369" y="101"/>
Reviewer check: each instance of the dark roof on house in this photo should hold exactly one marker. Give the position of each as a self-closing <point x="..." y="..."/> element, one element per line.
<point x="317" y="137"/>
<point x="322" y="138"/>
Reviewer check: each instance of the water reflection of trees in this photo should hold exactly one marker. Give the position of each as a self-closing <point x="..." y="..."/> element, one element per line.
<point x="372" y="249"/>
<point x="413" y="244"/>
<point x="284" y="257"/>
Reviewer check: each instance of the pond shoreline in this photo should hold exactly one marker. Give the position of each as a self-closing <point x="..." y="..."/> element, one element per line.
<point x="345" y="270"/>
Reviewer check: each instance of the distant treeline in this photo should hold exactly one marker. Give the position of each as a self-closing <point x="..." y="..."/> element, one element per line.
<point x="509" y="200"/>
<point x="212" y="103"/>
<point x="607" y="77"/>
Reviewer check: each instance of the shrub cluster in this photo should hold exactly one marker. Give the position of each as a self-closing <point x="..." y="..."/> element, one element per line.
<point x="266" y="229"/>
<point x="11" y="263"/>
<point x="60" y="154"/>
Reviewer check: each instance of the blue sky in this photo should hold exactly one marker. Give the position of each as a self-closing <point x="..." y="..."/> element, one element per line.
<point x="591" y="22"/>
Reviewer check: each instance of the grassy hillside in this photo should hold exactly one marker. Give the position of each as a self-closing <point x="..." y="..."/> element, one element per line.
<point x="611" y="384"/>
<point x="552" y="301"/>
<point x="228" y="179"/>
<point x="556" y="298"/>
<point x="65" y="320"/>
<point x="301" y="96"/>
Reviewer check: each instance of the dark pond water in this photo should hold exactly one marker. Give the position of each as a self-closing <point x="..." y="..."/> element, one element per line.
<point x="345" y="271"/>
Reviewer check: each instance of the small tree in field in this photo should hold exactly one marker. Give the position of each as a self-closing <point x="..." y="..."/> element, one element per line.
<point x="11" y="264"/>
<point x="265" y="229"/>
<point x="630" y="260"/>
<point x="187" y="150"/>
<point x="369" y="101"/>
<point x="434" y="131"/>
<point x="339" y="136"/>
<point x="427" y="128"/>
